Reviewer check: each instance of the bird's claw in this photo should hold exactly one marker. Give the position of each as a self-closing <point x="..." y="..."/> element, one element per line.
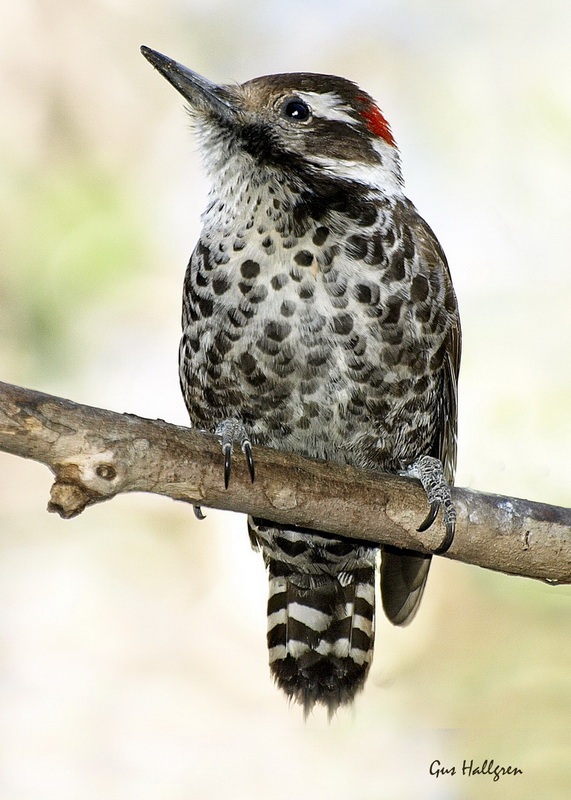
<point x="247" y="450"/>
<point x="198" y="512"/>
<point x="231" y="431"/>
<point x="430" y="473"/>
<point x="430" y="517"/>
<point x="227" y="450"/>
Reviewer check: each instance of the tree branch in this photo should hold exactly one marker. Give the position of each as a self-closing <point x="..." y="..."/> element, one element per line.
<point x="96" y="454"/>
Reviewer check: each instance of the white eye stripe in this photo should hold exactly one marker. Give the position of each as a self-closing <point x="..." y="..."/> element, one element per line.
<point x="327" y="105"/>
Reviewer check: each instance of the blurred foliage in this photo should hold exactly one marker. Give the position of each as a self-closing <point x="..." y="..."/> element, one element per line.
<point x="70" y="239"/>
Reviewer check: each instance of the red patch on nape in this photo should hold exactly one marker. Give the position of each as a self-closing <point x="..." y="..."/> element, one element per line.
<point x="376" y="123"/>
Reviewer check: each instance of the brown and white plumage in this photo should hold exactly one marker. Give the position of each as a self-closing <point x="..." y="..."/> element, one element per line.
<point x="318" y="317"/>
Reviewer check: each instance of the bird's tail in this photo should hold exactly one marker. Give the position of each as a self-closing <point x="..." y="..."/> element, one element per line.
<point x="320" y="618"/>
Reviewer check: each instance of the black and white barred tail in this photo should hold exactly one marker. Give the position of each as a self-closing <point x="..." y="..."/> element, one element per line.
<point x="321" y="613"/>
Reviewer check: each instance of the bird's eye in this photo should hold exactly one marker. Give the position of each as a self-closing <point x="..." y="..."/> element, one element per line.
<point x="296" y="109"/>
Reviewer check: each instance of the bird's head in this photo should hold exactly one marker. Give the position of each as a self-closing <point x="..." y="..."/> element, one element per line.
<point x="311" y="129"/>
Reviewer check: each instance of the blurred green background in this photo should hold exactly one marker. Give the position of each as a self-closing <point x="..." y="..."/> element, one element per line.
<point x="132" y="639"/>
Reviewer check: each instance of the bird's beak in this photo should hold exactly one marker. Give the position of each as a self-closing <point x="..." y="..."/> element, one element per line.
<point x="203" y="95"/>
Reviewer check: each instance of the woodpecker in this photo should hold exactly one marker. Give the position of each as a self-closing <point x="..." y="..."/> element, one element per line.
<point x="319" y="318"/>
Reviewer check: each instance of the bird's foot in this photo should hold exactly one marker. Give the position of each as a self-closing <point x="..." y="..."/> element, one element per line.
<point x="231" y="432"/>
<point x="430" y="472"/>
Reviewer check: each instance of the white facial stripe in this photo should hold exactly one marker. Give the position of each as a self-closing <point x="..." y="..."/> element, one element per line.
<point x="327" y="106"/>
<point x="386" y="178"/>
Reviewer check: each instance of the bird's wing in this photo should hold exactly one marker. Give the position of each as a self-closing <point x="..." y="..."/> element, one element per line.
<point x="403" y="572"/>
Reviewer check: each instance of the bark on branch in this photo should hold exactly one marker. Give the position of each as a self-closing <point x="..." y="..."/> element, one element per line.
<point x="96" y="454"/>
